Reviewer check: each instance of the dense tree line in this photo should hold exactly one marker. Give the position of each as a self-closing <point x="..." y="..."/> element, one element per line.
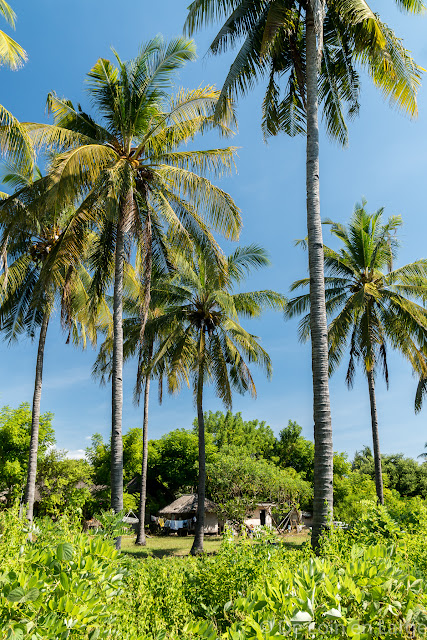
<point x="246" y="464"/>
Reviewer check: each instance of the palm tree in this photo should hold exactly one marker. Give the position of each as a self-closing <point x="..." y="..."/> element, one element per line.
<point x="134" y="309"/>
<point x="311" y="48"/>
<point x="14" y="140"/>
<point x="134" y="179"/>
<point x="373" y="305"/>
<point x="30" y="284"/>
<point x="11" y="53"/>
<point x="205" y="341"/>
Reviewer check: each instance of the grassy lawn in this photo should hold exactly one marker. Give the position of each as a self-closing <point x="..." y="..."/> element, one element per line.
<point x="295" y="540"/>
<point x="161" y="546"/>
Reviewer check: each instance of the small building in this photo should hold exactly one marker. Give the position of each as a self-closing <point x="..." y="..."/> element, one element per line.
<point x="261" y="516"/>
<point x="181" y="514"/>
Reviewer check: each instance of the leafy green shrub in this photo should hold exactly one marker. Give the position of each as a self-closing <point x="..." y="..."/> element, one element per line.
<point x="60" y="592"/>
<point x="214" y="581"/>
<point x="367" y="596"/>
<point x="154" y="598"/>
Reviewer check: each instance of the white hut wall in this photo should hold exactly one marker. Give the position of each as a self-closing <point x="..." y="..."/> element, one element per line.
<point x="211" y="523"/>
<point x="261" y="516"/>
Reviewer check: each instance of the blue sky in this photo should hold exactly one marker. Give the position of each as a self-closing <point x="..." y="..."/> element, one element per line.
<point x="385" y="162"/>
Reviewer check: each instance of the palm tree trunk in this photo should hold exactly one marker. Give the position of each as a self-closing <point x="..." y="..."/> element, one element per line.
<point x="140" y="539"/>
<point x="35" y="421"/>
<point x="197" y="546"/>
<point x="117" y="379"/>
<point x="375" y="438"/>
<point x="323" y="451"/>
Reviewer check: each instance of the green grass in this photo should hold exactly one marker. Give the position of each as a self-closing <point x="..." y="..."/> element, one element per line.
<point x="295" y="540"/>
<point x="163" y="546"/>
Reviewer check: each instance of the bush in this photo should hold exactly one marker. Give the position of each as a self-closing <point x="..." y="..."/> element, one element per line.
<point x="62" y="591"/>
<point x="368" y="596"/>
<point x="214" y="581"/>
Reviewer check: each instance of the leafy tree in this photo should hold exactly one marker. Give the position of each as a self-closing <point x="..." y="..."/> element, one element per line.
<point x="372" y="305"/>
<point x="63" y="483"/>
<point x="405" y="475"/>
<point x="253" y="437"/>
<point x="15" y="434"/>
<point x="134" y="180"/>
<point x="350" y="493"/>
<point x="402" y="474"/>
<point x="363" y="462"/>
<point x="295" y="451"/>
<point x="309" y="52"/>
<point x="237" y="482"/>
<point x="205" y="340"/>
<point x="99" y="455"/>
<point x="173" y="460"/>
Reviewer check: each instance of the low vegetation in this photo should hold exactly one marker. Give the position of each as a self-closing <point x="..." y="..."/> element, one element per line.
<point x="369" y="581"/>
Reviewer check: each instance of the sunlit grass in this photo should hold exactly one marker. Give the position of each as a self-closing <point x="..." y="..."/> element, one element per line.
<point x="177" y="546"/>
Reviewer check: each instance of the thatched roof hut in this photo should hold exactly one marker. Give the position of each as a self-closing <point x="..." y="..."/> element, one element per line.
<point x="182" y="513"/>
<point x="186" y="507"/>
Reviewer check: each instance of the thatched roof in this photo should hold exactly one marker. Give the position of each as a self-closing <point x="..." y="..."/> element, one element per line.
<point x="186" y="505"/>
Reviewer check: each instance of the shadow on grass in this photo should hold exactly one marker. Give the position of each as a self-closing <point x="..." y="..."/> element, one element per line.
<point x="144" y="552"/>
<point x="295" y="542"/>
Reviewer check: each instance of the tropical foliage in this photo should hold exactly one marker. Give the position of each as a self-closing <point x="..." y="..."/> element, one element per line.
<point x="15" y="434"/>
<point x="369" y="580"/>
<point x="129" y="183"/>
<point x="310" y="51"/>
<point x="372" y="306"/>
<point x="205" y="341"/>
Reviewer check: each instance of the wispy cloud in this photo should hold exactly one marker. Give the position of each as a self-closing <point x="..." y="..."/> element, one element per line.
<point x="67" y="378"/>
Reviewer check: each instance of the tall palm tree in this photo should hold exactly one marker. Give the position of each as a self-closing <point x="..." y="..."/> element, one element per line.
<point x="30" y="285"/>
<point x="309" y="51"/>
<point x="134" y="179"/>
<point x="373" y="306"/>
<point x="205" y="340"/>
<point x="134" y="309"/>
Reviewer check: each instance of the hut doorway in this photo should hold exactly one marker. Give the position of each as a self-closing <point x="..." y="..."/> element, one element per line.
<point x="262" y="517"/>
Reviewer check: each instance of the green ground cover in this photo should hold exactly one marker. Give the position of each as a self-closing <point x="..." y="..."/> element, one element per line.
<point x="368" y="582"/>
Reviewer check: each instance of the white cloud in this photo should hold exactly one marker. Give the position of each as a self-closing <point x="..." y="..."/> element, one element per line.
<point x="76" y="454"/>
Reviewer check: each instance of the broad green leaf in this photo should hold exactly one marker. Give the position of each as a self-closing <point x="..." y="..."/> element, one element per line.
<point x="64" y="551"/>
<point x="63" y="578"/>
<point x="16" y="595"/>
<point x="32" y="595"/>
